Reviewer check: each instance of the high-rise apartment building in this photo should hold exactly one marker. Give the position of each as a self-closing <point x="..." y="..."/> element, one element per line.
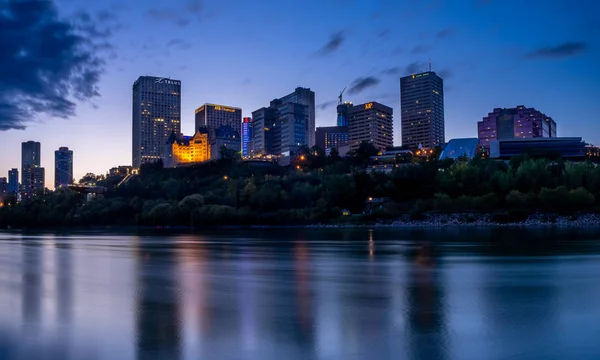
<point x="515" y="123"/>
<point x="63" y="167"/>
<point x="328" y="137"/>
<point x="422" y="110"/>
<point x="371" y="122"/>
<point x="156" y="114"/>
<point x="3" y="187"/>
<point x="31" y="154"/>
<point x="304" y="96"/>
<point x="213" y="116"/>
<point x="280" y="128"/>
<point x="246" y="136"/>
<point x="32" y="181"/>
<point x="13" y="181"/>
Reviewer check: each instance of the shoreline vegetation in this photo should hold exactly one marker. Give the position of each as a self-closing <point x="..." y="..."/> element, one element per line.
<point x="327" y="191"/>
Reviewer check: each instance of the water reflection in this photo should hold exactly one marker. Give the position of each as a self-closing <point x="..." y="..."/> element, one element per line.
<point x="349" y="294"/>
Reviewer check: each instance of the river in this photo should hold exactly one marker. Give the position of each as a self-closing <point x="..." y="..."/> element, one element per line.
<point x="289" y="294"/>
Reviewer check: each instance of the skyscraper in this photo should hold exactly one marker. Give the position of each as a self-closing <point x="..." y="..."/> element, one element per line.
<point x="156" y="114"/>
<point x="263" y="120"/>
<point x="422" y="108"/>
<point x="214" y="116"/>
<point x="63" y="167"/>
<point x="516" y="123"/>
<point x="13" y="181"/>
<point x="342" y="113"/>
<point x="3" y="187"/>
<point x="280" y="128"/>
<point x="30" y="154"/>
<point x="246" y="136"/>
<point x="304" y="96"/>
<point x="371" y="122"/>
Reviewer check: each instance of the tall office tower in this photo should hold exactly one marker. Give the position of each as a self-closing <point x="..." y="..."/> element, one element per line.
<point x="3" y="187"/>
<point x="32" y="181"/>
<point x="422" y="108"/>
<point x="519" y="122"/>
<point x="156" y="114"/>
<point x="371" y="122"/>
<point x="331" y="136"/>
<point x="214" y="116"/>
<point x="13" y="181"/>
<point x="263" y="121"/>
<point x="63" y="167"/>
<point x="246" y="136"/>
<point x="31" y="154"/>
<point x="304" y="96"/>
<point x="342" y="113"/>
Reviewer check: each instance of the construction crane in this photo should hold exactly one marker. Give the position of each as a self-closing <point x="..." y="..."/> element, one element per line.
<point x="341" y="95"/>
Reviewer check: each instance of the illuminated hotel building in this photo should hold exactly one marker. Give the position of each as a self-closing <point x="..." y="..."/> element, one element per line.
<point x="306" y="97"/>
<point x="371" y="122"/>
<point x="156" y="114"/>
<point x="182" y="150"/>
<point x="516" y="123"/>
<point x="63" y="167"/>
<point x="246" y="136"/>
<point x="213" y="116"/>
<point x="422" y="110"/>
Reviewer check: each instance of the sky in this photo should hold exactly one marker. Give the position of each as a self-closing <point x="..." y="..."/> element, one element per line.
<point x="67" y="66"/>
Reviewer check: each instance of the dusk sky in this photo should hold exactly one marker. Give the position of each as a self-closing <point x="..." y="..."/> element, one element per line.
<point x="490" y="53"/>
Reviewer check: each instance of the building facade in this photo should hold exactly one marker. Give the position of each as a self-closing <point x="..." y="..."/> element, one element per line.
<point x="306" y="97"/>
<point x="156" y="114"/>
<point x="246" y="136"/>
<point x="13" y="181"/>
<point x="225" y="136"/>
<point x="342" y="113"/>
<point x="263" y="122"/>
<point x="212" y="116"/>
<point x="371" y="122"/>
<point x="331" y="136"/>
<point x="32" y="181"/>
<point x="182" y="150"/>
<point x="422" y="110"/>
<point x="3" y="186"/>
<point x="63" y="167"/>
<point x="31" y="154"/>
<point x="514" y="123"/>
<point x="565" y="147"/>
<point x="280" y="128"/>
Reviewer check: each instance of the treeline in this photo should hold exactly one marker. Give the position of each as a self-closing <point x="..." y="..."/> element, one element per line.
<point x="316" y="188"/>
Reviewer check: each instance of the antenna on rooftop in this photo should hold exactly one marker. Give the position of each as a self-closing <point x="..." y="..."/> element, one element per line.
<point x="429" y="64"/>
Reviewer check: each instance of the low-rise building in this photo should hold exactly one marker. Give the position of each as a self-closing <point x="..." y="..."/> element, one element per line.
<point x="185" y="150"/>
<point x="565" y="147"/>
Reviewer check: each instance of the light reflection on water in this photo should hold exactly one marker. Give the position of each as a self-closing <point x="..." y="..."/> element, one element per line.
<point x="301" y="294"/>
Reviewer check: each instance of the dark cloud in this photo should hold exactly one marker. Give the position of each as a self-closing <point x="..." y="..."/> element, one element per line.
<point x="326" y="105"/>
<point x="333" y="44"/>
<point x="47" y="62"/>
<point x="565" y="50"/>
<point x="180" y="16"/>
<point x="445" y="73"/>
<point x="445" y="33"/>
<point x="421" y="49"/>
<point x="383" y="33"/>
<point x="391" y="71"/>
<point x="362" y="83"/>
<point x="179" y="44"/>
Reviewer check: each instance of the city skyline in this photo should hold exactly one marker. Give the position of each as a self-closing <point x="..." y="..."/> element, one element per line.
<point x="486" y="63"/>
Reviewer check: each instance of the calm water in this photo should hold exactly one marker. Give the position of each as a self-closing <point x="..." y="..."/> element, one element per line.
<point x="301" y="294"/>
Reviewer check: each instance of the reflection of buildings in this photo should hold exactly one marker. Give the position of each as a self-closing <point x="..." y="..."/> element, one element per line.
<point x="182" y="150"/>
<point x="156" y="114"/>
<point x="157" y="311"/>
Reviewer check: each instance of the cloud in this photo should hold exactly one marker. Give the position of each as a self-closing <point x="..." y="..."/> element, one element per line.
<point x="391" y="71"/>
<point x="445" y="73"/>
<point x="564" y="50"/>
<point x="47" y="62"/>
<point x="383" y="33"/>
<point x="445" y="33"/>
<point x="362" y="83"/>
<point x="325" y="105"/>
<point x="179" y="43"/>
<point x="415" y="67"/>
<point x="421" y="49"/>
<point x="179" y="16"/>
<point x="333" y="44"/>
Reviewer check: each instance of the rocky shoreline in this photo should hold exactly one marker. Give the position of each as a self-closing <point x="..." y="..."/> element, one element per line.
<point x="482" y="220"/>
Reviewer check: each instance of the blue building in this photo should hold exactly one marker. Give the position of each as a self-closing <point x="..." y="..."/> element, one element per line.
<point x="246" y="136"/>
<point x="460" y="147"/>
<point x="63" y="167"/>
<point x="13" y="181"/>
<point x="342" y="113"/>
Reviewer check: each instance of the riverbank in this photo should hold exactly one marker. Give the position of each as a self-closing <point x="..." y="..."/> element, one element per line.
<point x="480" y="220"/>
